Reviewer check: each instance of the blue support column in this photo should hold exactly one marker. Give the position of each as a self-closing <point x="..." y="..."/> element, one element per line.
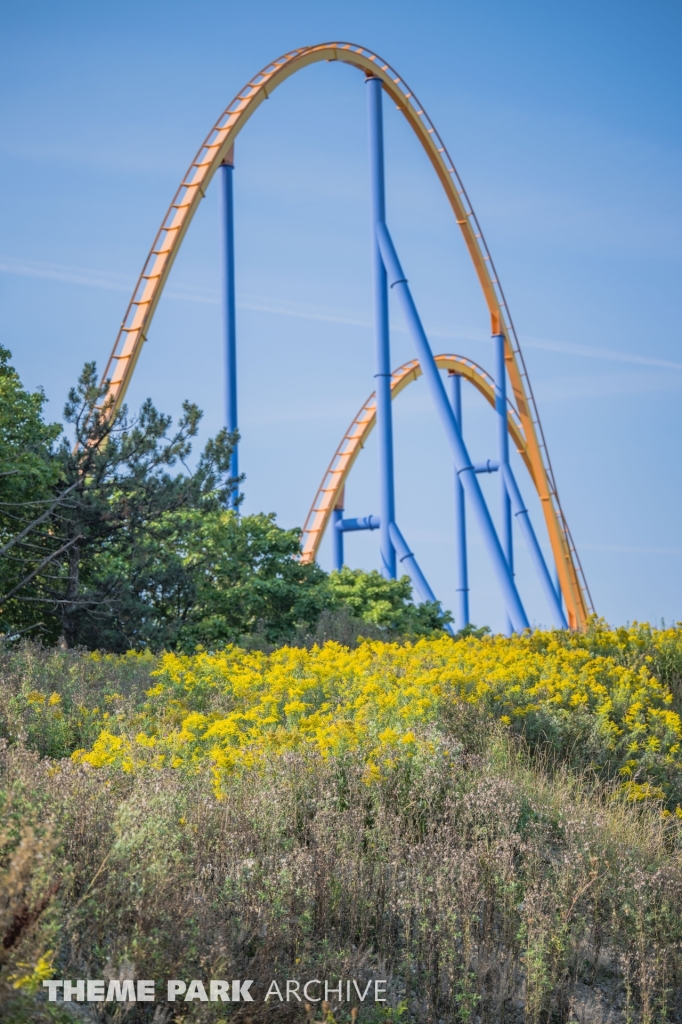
<point x="506" y="538"/>
<point x="337" y="534"/>
<point x="229" y="309"/>
<point x="461" y="566"/>
<point x="382" y="354"/>
<point x="460" y="454"/>
<point x="557" y="586"/>
<point x="521" y="513"/>
<point x="407" y="559"/>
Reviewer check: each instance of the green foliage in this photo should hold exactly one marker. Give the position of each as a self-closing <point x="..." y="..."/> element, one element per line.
<point x="28" y="474"/>
<point x="228" y="707"/>
<point x="468" y="839"/>
<point x="470" y="630"/>
<point x="100" y="556"/>
<point x="110" y="548"/>
<point x="636" y="646"/>
<point x="246" y="577"/>
<point x="386" y="603"/>
<point x="305" y="869"/>
<point x="25" y="439"/>
<point x="53" y="699"/>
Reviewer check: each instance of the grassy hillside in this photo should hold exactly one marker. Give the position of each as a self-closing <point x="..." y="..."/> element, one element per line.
<point x="492" y="825"/>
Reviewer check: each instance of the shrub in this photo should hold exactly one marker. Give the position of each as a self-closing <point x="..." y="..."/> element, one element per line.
<point x="226" y="710"/>
<point x="453" y="816"/>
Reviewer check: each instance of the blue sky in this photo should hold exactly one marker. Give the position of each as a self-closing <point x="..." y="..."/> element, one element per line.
<point x="564" y="123"/>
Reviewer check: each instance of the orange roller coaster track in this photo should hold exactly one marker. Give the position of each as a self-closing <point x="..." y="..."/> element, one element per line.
<point x="215" y="150"/>
<point x="355" y="438"/>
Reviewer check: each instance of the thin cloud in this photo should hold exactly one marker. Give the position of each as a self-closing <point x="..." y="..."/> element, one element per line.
<point x="112" y="281"/>
<point x="69" y="275"/>
<point x="622" y="549"/>
<point x="598" y="353"/>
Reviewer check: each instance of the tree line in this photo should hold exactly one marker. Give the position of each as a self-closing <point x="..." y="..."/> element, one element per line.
<point x="114" y="536"/>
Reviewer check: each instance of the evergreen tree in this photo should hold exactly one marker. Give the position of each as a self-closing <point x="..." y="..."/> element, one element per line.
<point x="98" y="559"/>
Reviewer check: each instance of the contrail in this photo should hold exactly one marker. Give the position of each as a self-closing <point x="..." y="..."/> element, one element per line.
<point x="631" y="550"/>
<point x="70" y="275"/>
<point x="598" y="353"/>
<point x="112" y="281"/>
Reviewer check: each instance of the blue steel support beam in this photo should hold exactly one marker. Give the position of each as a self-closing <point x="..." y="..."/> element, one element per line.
<point x="521" y="514"/>
<point x="461" y="564"/>
<point x="463" y="465"/>
<point x="229" y="309"/>
<point x="486" y="467"/>
<point x="506" y="537"/>
<point x="337" y="535"/>
<point x="337" y="539"/>
<point x="407" y="559"/>
<point x="351" y="525"/>
<point x="557" y="586"/>
<point x="382" y="354"/>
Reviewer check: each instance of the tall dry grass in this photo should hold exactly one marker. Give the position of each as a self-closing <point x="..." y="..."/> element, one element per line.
<point x="484" y="887"/>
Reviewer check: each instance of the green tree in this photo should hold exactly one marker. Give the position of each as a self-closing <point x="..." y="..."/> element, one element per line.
<point x="246" y="577"/>
<point x="387" y="603"/>
<point x="113" y="543"/>
<point x="100" y="559"/>
<point x="28" y="475"/>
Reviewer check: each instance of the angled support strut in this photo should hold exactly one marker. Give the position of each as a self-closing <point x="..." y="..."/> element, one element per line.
<point x="407" y="559"/>
<point x="461" y="566"/>
<point x="506" y="536"/>
<point x="521" y="514"/>
<point x="463" y="465"/>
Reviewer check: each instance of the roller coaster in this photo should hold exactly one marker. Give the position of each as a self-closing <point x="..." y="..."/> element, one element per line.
<point x="516" y="413"/>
